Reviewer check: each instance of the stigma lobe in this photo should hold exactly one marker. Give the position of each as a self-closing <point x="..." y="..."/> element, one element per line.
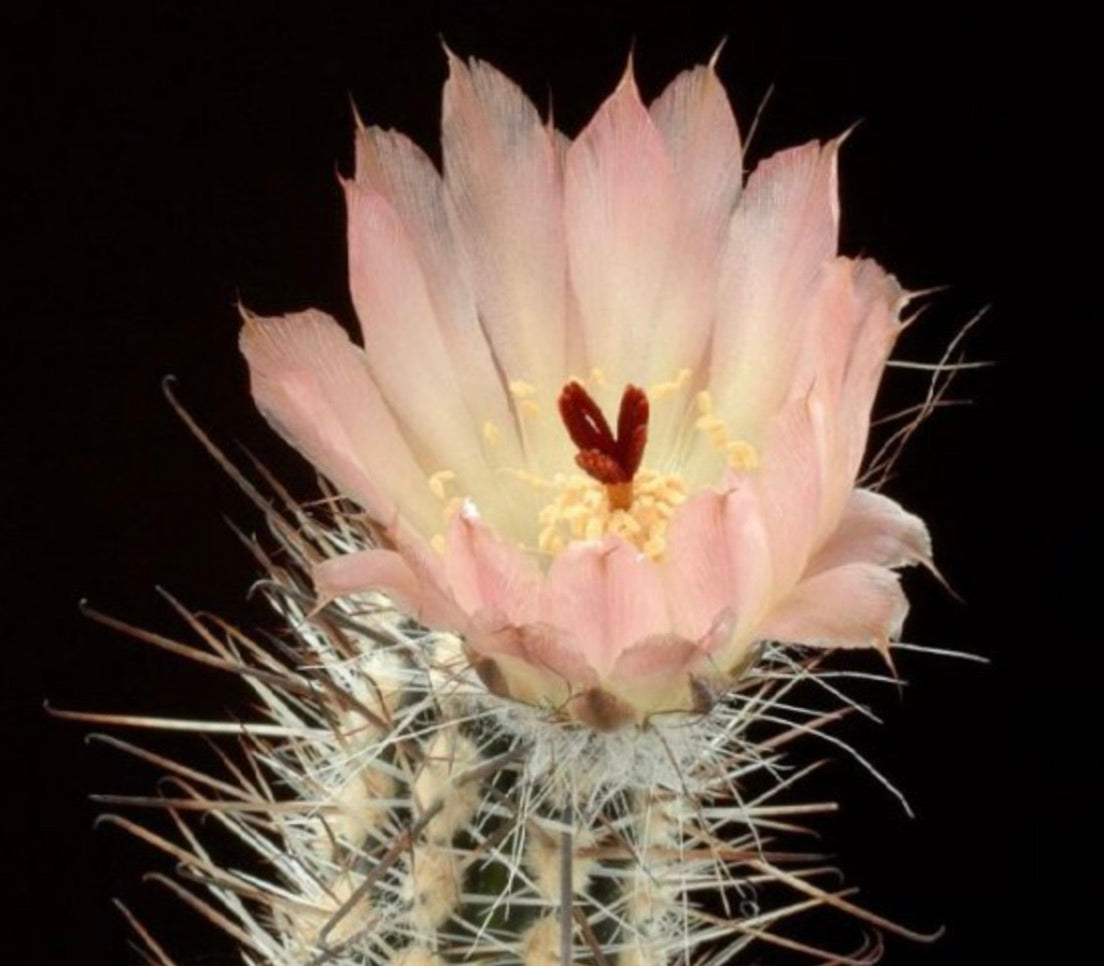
<point x="611" y="460"/>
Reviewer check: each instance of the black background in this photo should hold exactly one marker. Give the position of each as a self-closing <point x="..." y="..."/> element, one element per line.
<point x="171" y="158"/>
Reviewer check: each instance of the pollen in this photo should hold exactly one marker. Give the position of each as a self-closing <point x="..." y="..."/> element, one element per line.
<point x="580" y="510"/>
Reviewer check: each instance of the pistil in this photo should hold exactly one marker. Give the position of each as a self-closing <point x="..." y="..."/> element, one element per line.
<point x="609" y="459"/>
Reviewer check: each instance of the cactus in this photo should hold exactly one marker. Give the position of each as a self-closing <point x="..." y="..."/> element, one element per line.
<point x="399" y="813"/>
<point x="550" y="720"/>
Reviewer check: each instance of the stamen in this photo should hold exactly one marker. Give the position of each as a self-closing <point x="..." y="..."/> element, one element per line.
<point x="612" y="460"/>
<point x="523" y="393"/>
<point x="664" y="390"/>
<point x="579" y="509"/>
<point x="491" y="433"/>
<point x="740" y="454"/>
<point x="438" y="481"/>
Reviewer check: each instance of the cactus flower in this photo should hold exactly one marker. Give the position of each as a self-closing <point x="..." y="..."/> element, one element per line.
<point x="610" y="409"/>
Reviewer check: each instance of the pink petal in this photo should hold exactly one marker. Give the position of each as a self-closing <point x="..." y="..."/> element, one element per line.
<point x="791" y="484"/>
<point x="874" y="529"/>
<point x="532" y="663"/>
<point x="619" y="202"/>
<point x="695" y="119"/>
<point x="830" y="321"/>
<point x="854" y="321"/>
<point x="313" y="385"/>
<point x="854" y="605"/>
<point x="486" y="575"/>
<point x="851" y="321"/>
<point x="504" y="186"/>
<point x="879" y="300"/>
<point x="604" y="598"/>
<point x="393" y="166"/>
<point x="547" y="649"/>
<point x="655" y="673"/>
<point x="833" y="322"/>
<point x="718" y="559"/>
<point x="783" y="232"/>
<point x="400" y="324"/>
<point x="386" y="571"/>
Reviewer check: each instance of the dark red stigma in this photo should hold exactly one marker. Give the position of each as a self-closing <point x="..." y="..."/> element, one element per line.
<point x="612" y="460"/>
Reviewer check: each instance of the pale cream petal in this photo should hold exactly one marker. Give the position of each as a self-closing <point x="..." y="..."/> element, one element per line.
<point x="695" y="120"/>
<point x="504" y="188"/>
<point x="620" y="211"/>
<point x="313" y="385"/>
<point x="392" y="165"/>
<point x="402" y="334"/>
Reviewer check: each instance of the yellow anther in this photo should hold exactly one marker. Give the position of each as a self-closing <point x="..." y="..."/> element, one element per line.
<point x="550" y="541"/>
<point x="580" y="510"/>
<point x="673" y="491"/>
<point x="452" y="504"/>
<point x="714" y="428"/>
<point x="626" y="523"/>
<point x="598" y="377"/>
<point x="524" y="476"/>
<point x="438" y="481"/>
<point x="664" y="390"/>
<point x="520" y="389"/>
<point x="742" y="455"/>
<point x="528" y="408"/>
<point x="491" y="433"/>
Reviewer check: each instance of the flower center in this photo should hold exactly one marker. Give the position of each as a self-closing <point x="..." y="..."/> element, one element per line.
<point x="580" y="510"/>
<point x="615" y="496"/>
<point x="611" y="460"/>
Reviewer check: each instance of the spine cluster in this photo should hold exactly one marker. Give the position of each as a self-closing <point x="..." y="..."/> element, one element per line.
<point x="398" y="814"/>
